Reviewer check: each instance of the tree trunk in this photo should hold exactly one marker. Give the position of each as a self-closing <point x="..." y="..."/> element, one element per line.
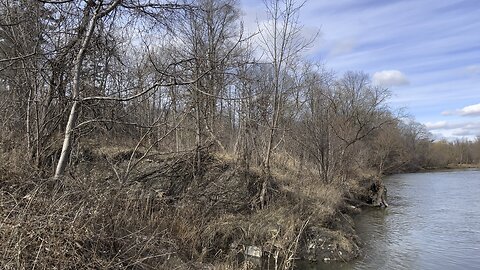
<point x="67" y="141"/>
<point x="72" y="119"/>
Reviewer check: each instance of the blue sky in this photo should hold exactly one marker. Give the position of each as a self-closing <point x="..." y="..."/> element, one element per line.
<point x="427" y="52"/>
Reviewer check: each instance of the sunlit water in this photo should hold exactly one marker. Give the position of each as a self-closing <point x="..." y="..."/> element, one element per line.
<point x="433" y="222"/>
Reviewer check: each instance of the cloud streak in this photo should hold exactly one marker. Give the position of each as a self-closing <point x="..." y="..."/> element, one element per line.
<point x="390" y="78"/>
<point x="343" y="47"/>
<point x="473" y="69"/>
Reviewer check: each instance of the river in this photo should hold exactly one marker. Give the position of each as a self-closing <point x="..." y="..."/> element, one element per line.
<point x="433" y="222"/>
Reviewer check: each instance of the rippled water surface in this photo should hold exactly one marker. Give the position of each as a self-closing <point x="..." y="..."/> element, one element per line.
<point x="433" y="222"/>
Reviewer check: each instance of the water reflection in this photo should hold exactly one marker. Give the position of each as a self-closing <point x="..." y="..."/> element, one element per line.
<point x="433" y="222"/>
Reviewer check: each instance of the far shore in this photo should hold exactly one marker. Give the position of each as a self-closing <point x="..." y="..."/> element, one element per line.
<point x="450" y="167"/>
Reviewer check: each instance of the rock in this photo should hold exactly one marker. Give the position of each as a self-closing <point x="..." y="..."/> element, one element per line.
<point x="253" y="251"/>
<point x="323" y="244"/>
<point x="353" y="210"/>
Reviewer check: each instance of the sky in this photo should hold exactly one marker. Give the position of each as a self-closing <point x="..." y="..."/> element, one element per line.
<point x="427" y="52"/>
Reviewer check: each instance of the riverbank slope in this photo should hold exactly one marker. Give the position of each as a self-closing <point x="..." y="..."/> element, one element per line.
<point x="163" y="216"/>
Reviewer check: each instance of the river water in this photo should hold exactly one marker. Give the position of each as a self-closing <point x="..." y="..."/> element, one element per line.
<point x="433" y="222"/>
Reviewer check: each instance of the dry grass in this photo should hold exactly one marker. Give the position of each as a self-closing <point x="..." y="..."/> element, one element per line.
<point x="69" y="225"/>
<point x="162" y="218"/>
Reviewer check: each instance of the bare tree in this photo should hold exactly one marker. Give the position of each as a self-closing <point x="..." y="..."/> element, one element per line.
<point x="91" y="15"/>
<point x="282" y="42"/>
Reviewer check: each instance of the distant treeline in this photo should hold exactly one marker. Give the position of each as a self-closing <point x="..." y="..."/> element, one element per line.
<point x="408" y="146"/>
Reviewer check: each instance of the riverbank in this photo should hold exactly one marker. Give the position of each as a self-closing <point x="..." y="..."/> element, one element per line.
<point x="448" y="167"/>
<point x="451" y="167"/>
<point x="164" y="216"/>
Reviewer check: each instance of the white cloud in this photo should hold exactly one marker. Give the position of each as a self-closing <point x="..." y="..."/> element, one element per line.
<point x="436" y="125"/>
<point x="465" y="132"/>
<point x="472" y="110"/>
<point x="390" y="78"/>
<point x="454" y="130"/>
<point x="444" y="125"/>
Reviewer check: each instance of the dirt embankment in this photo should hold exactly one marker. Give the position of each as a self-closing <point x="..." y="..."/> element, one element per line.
<point x="165" y="216"/>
